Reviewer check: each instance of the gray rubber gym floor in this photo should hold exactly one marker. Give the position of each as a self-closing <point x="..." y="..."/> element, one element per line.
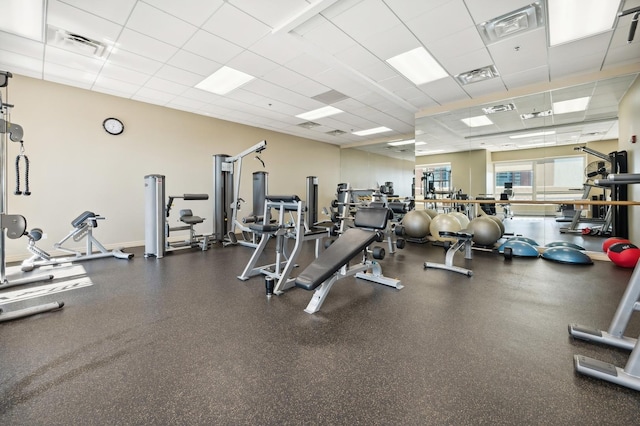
<point x="181" y="341"/>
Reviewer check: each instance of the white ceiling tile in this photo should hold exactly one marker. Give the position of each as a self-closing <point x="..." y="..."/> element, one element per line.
<point x="521" y="52"/>
<point x="231" y="23"/>
<point x="457" y="44"/>
<point x="627" y="54"/>
<point x="280" y="48"/>
<point x="308" y="87"/>
<point x="179" y="76"/>
<point x="19" y="64"/>
<point x="128" y="75"/>
<point x="195" y="12"/>
<point x="146" y="46"/>
<point x="106" y="85"/>
<point x="272" y="13"/>
<point x="160" y="25"/>
<point x="131" y="60"/>
<point x="194" y="63"/>
<point x="365" y="19"/>
<point x="379" y="71"/>
<point x="307" y="65"/>
<point x="166" y="86"/>
<point x="73" y="60"/>
<point x="186" y="103"/>
<point x="283" y="77"/>
<point x="212" y="47"/>
<point x="252" y="64"/>
<point x="469" y="62"/>
<point x="86" y="24"/>
<point x="21" y="45"/>
<point x="157" y="96"/>
<point x="527" y="77"/>
<point x="113" y="10"/>
<point x="389" y="43"/>
<point x="69" y="75"/>
<point x="449" y="18"/>
<point x="444" y="91"/>
<point x="407" y="9"/>
<point x="329" y="38"/>
<point x="201" y="95"/>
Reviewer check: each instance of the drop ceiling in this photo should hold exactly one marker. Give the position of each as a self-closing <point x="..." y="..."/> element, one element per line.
<point x="309" y="54"/>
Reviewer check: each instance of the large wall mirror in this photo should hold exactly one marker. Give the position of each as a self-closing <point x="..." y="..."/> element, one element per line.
<point x="550" y="145"/>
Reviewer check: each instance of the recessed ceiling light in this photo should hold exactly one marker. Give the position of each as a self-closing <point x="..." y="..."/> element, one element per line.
<point x="24" y="18"/>
<point x="373" y="131"/>
<point x="319" y="113"/>
<point x="575" y="19"/>
<point x="435" y="151"/>
<point x="571" y="105"/>
<point x="418" y="66"/>
<point x="480" y="74"/>
<point x="399" y="143"/>
<point x="480" y="120"/>
<point x="531" y="135"/>
<point x="516" y="22"/>
<point x="224" y="81"/>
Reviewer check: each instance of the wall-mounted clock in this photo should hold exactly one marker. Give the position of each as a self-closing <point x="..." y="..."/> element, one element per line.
<point x="113" y="126"/>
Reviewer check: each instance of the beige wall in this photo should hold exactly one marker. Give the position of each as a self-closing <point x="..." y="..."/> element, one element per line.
<point x="76" y="166"/>
<point x="628" y="125"/>
<point x="468" y="169"/>
<point x="365" y="170"/>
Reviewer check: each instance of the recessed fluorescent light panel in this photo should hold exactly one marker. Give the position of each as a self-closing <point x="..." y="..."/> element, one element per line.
<point x="418" y="66"/>
<point x="478" y="121"/>
<point x="24" y="18"/>
<point x="481" y="74"/>
<point x="319" y="113"/>
<point x="532" y="135"/>
<point x="373" y="131"/>
<point x="224" y="81"/>
<point x="571" y="20"/>
<point x="516" y="22"/>
<point x="571" y="105"/>
<point x="399" y="143"/>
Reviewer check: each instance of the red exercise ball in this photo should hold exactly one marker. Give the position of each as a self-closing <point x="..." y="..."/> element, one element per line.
<point x="613" y="240"/>
<point x="624" y="254"/>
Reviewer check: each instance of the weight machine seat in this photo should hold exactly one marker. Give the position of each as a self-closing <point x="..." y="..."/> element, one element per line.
<point x="83" y="218"/>
<point x="338" y="254"/>
<point x="346" y="247"/>
<point x="186" y="216"/>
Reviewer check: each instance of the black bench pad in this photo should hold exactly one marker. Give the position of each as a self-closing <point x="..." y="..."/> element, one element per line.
<point x="338" y="254"/>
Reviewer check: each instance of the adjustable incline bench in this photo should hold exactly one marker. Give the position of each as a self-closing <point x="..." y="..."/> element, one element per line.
<point x="333" y="264"/>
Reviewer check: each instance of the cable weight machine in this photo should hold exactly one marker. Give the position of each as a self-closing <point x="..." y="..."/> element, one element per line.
<point x="14" y="225"/>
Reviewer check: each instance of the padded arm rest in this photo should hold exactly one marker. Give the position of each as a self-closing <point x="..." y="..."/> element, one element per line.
<point x="82" y="218"/>
<point x="283" y="198"/>
<point x="196" y="196"/>
<point x="338" y="254"/>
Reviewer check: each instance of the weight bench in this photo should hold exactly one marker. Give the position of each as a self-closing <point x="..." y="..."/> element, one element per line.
<point x="333" y="264"/>
<point x="464" y="241"/>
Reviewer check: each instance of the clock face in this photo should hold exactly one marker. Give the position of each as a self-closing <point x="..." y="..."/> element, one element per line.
<point x="113" y="126"/>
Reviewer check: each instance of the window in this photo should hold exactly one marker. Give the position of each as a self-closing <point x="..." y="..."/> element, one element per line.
<point x="542" y="179"/>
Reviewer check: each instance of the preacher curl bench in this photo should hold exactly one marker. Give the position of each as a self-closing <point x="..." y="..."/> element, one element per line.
<point x="333" y="263"/>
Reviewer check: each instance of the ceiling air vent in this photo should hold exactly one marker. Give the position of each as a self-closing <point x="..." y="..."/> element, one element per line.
<point x="75" y="42"/>
<point x="330" y="97"/>
<point x="536" y="114"/>
<point x="336" y="133"/>
<point x="498" y="108"/>
<point x="481" y="74"/>
<point x="516" y="22"/>
<point x="308" y="125"/>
